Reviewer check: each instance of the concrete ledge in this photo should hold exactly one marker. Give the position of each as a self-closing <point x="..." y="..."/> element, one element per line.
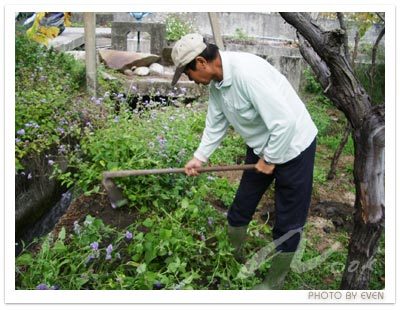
<point x="74" y="37"/>
<point x="67" y="41"/>
<point x="161" y="86"/>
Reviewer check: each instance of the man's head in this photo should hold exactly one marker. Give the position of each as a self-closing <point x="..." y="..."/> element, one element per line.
<point x="192" y="56"/>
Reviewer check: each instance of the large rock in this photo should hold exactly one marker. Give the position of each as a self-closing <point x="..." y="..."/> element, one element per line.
<point x="121" y="60"/>
<point x="142" y="71"/>
<point x="156" y="69"/>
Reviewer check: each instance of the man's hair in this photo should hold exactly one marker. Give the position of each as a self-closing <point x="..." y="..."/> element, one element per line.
<point x="209" y="54"/>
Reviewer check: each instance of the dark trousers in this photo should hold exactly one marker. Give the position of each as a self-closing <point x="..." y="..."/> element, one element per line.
<point x="293" y="187"/>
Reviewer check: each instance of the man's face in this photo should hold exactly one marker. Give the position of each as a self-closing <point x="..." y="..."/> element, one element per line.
<point x="202" y="73"/>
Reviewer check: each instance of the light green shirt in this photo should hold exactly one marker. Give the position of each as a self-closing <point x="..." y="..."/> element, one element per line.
<point x="261" y="106"/>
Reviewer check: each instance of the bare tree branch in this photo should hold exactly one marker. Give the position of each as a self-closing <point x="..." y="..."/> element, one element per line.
<point x="318" y="66"/>
<point x="345" y="36"/>
<point x="373" y="57"/>
<point x="382" y="18"/>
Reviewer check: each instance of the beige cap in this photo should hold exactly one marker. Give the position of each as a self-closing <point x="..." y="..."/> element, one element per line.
<point x="184" y="51"/>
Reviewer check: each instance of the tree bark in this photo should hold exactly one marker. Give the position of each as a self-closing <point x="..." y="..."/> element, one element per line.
<point x="323" y="52"/>
<point x="342" y="23"/>
<point x="370" y="201"/>
<point x="355" y="50"/>
<point x="343" y="141"/>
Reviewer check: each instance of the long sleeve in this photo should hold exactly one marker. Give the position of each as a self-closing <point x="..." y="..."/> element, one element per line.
<point x="214" y="131"/>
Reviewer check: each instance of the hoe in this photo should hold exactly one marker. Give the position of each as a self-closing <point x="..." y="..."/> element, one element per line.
<point x="115" y="194"/>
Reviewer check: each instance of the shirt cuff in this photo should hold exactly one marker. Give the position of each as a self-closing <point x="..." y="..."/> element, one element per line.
<point x="267" y="160"/>
<point x="200" y="157"/>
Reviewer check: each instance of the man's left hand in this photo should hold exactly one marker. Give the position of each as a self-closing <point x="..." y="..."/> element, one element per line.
<point x="263" y="167"/>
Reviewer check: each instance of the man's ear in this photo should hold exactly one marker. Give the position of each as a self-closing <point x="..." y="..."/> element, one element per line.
<point x="201" y="61"/>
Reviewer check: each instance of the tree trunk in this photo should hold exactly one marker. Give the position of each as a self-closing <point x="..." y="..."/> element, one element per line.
<point x="322" y="50"/>
<point x="369" y="216"/>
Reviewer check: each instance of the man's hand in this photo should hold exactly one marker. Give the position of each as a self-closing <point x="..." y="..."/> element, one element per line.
<point x="263" y="167"/>
<point x="192" y="166"/>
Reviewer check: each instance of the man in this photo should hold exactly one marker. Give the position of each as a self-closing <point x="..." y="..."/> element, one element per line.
<point x="261" y="105"/>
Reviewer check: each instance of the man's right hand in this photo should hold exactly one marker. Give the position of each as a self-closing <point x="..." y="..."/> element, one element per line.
<point x="192" y="166"/>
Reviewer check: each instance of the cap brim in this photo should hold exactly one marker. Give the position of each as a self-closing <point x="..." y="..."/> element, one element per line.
<point x="177" y="75"/>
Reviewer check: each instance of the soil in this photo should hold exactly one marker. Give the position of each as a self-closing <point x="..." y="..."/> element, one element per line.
<point x="96" y="205"/>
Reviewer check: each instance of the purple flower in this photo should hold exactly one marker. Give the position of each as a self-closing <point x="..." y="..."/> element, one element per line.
<point x="109" y="251"/>
<point x="29" y="176"/>
<point x="42" y="286"/>
<point x="210" y="221"/>
<point x="94" y="245"/>
<point x="162" y="141"/>
<point x="158" y="285"/>
<point x="128" y="235"/>
<point x="21" y="132"/>
<point x="17" y="140"/>
<point x="202" y="237"/>
<point x="51" y="162"/>
<point x="60" y="130"/>
<point x="90" y="258"/>
<point x="32" y="124"/>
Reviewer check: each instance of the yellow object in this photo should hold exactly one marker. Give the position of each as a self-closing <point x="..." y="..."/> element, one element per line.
<point x="42" y="34"/>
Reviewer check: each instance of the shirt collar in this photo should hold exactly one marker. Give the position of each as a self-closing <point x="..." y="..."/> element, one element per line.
<point x="226" y="71"/>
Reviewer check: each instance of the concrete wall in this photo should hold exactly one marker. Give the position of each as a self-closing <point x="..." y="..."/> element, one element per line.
<point x="254" y="24"/>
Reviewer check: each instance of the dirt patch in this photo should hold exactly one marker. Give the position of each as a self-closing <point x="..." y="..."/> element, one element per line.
<point x="231" y="176"/>
<point x="322" y="229"/>
<point x="340" y="214"/>
<point x="96" y="205"/>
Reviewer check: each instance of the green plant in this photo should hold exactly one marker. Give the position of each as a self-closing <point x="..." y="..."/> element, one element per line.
<point x="377" y="93"/>
<point x="241" y="35"/>
<point x="177" y="28"/>
<point x="44" y="113"/>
